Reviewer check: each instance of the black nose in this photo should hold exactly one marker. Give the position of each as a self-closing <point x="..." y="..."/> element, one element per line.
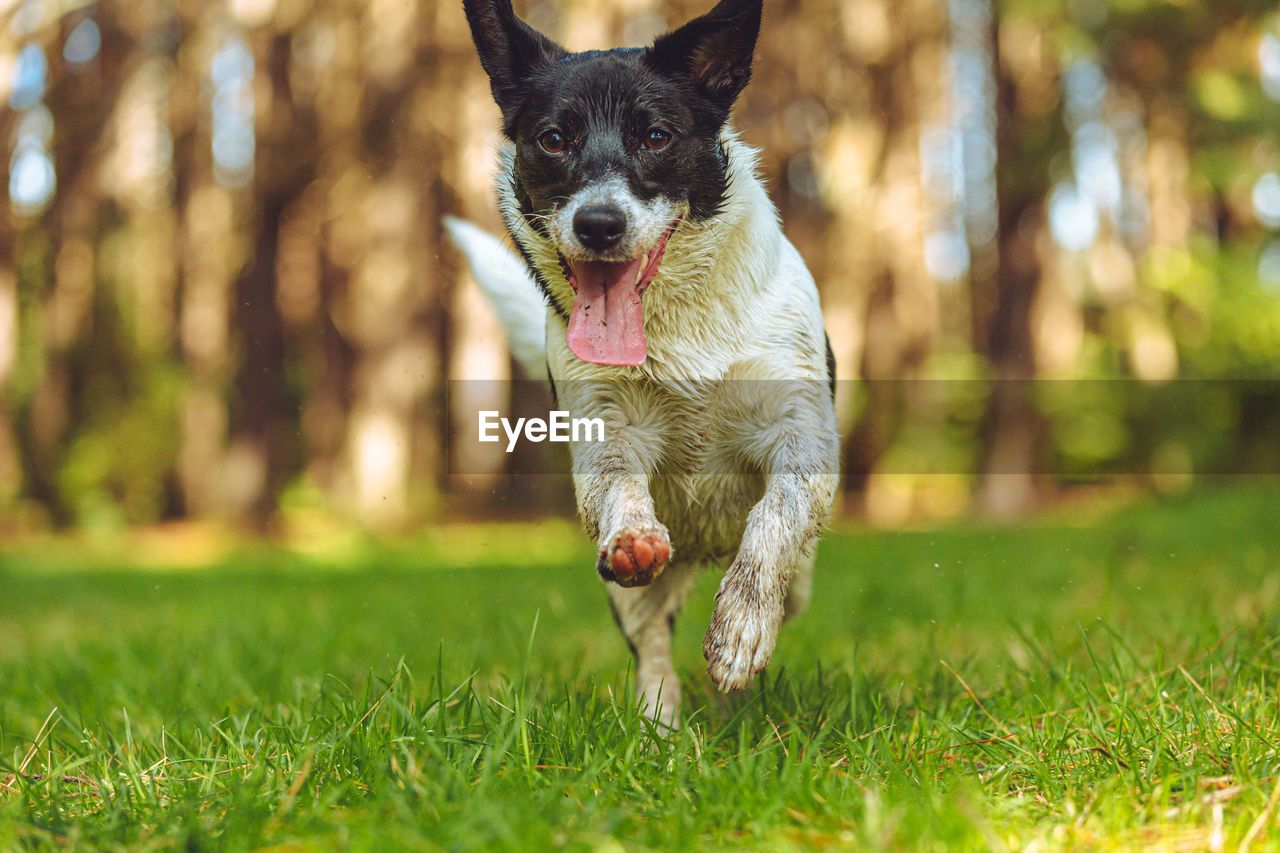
<point x="599" y="228"/>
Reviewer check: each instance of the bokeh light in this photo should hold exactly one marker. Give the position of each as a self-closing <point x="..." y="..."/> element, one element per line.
<point x="958" y="157"/>
<point x="27" y="18"/>
<point x="1269" y="65"/>
<point x="973" y="101"/>
<point x="233" y="142"/>
<point x="946" y="254"/>
<point x="29" y="78"/>
<point x="83" y="43"/>
<point x="1073" y="218"/>
<point x="1097" y="190"/>
<point x="1093" y="160"/>
<point x="1269" y="269"/>
<point x="1266" y="199"/>
<point x="32" y="180"/>
<point x="34" y="127"/>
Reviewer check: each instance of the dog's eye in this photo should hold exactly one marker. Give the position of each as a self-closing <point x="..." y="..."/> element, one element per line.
<point x="656" y="140"/>
<point x="552" y="142"/>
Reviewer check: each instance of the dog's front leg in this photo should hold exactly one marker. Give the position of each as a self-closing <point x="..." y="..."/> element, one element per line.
<point x="634" y="547"/>
<point x="780" y="534"/>
<point x="615" y="505"/>
<point x="611" y="477"/>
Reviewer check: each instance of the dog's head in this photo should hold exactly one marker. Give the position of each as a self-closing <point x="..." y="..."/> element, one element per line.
<point x="613" y="149"/>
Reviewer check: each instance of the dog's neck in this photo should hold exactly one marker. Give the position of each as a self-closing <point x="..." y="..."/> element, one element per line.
<point x="711" y="269"/>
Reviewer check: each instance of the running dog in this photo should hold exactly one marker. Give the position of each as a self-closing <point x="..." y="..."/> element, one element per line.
<point x="657" y="291"/>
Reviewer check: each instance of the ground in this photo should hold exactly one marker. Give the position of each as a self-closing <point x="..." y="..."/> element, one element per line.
<point x="1093" y="680"/>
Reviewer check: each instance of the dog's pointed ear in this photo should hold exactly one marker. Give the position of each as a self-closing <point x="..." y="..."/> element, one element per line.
<point x="509" y="49"/>
<point x="713" y="51"/>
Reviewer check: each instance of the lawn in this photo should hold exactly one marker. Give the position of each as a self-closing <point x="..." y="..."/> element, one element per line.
<point x="1085" y="681"/>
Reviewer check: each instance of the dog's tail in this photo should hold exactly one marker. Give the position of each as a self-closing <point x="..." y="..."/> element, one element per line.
<point x="510" y="291"/>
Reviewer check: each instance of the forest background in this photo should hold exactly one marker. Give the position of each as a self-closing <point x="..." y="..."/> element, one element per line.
<point x="1046" y="235"/>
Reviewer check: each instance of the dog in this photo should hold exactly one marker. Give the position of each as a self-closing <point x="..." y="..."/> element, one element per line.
<point x="657" y="290"/>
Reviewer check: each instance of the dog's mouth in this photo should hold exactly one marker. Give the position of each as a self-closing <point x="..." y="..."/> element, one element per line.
<point x="606" y="323"/>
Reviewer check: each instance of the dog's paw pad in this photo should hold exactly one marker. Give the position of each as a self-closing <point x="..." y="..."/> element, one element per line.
<point x="634" y="556"/>
<point x="621" y="563"/>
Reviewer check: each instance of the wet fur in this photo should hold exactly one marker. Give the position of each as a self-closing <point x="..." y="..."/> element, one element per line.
<point x="724" y="440"/>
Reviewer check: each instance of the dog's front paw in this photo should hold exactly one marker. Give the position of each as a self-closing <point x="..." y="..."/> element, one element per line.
<point x="634" y="556"/>
<point x="741" y="638"/>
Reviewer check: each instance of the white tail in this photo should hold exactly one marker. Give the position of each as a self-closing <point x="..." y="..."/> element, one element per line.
<point x="510" y="291"/>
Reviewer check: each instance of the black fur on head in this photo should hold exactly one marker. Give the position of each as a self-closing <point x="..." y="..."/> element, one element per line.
<point x="605" y="105"/>
<point x="712" y="52"/>
<point x="509" y="51"/>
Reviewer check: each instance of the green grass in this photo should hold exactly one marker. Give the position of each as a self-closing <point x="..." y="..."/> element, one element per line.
<point x="1100" y="684"/>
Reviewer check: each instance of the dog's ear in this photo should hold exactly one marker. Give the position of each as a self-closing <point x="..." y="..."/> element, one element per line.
<point x="509" y="49"/>
<point x="713" y="51"/>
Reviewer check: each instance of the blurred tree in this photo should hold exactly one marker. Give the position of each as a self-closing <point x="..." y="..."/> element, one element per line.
<point x="222" y="278"/>
<point x="1006" y="272"/>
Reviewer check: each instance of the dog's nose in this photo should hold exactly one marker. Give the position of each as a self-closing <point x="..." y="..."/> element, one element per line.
<point x="599" y="228"/>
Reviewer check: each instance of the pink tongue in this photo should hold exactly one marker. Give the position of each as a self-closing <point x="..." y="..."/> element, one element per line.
<point x="606" y="325"/>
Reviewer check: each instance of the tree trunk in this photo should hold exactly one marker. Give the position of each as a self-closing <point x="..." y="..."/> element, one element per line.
<point x="1002" y="308"/>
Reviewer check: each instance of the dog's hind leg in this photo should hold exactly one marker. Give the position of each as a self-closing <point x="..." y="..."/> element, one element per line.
<point x="646" y="616"/>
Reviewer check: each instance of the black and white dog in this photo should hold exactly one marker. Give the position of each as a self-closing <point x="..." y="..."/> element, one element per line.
<point x="658" y="291"/>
